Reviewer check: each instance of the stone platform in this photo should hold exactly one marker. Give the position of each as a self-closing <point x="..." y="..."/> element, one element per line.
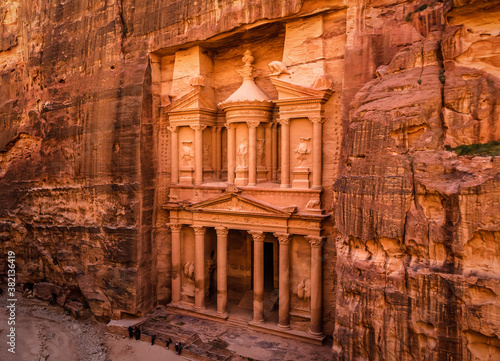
<point x="211" y="339"/>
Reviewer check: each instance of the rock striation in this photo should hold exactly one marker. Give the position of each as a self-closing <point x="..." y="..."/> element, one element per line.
<point x="412" y="260"/>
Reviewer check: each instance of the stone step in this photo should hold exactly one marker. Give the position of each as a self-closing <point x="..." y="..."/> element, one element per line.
<point x="237" y="321"/>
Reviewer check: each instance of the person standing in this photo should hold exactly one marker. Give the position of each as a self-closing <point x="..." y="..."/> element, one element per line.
<point x="130" y="331"/>
<point x="153" y="338"/>
<point x="168" y="342"/>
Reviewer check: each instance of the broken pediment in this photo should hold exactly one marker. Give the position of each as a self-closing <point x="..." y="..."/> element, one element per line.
<point x="235" y="203"/>
<point x="287" y="90"/>
<point x="196" y="99"/>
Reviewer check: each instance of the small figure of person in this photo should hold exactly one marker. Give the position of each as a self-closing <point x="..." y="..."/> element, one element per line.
<point x="130" y="331"/>
<point x="179" y="348"/>
<point x="153" y="338"/>
<point x="168" y="342"/>
<point x="137" y="333"/>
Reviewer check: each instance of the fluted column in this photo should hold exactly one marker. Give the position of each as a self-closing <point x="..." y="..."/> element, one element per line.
<point x="231" y="152"/>
<point x="175" y="230"/>
<point x="174" y="171"/>
<point x="252" y="153"/>
<point x="199" y="267"/>
<point x="274" y="152"/>
<point x="221" y="270"/>
<point x="317" y="152"/>
<point x="284" y="281"/>
<point x="198" y="152"/>
<point x="258" y="276"/>
<point x="315" y="328"/>
<point x="285" y="152"/>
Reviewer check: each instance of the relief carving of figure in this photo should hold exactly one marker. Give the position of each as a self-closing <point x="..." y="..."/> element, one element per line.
<point x="304" y="289"/>
<point x="188" y="270"/>
<point x="260" y="152"/>
<point x="242" y="154"/>
<point x="302" y="151"/>
<point x="206" y="153"/>
<point x="187" y="153"/>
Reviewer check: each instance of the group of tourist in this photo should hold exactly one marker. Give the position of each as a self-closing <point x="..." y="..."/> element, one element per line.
<point x="136" y="331"/>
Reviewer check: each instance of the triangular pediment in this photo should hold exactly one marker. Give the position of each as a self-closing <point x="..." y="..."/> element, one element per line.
<point x="235" y="203"/>
<point x="288" y="90"/>
<point x="196" y="99"/>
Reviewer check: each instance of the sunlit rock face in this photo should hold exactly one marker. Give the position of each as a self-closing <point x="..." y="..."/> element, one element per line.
<point x="411" y="260"/>
<point x="418" y="256"/>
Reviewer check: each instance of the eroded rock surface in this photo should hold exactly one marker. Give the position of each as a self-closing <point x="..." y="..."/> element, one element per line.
<point x="416" y="264"/>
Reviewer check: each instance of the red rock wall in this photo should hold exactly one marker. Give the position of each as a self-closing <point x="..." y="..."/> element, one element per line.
<point x="77" y="151"/>
<point x="417" y="259"/>
<point x="417" y="255"/>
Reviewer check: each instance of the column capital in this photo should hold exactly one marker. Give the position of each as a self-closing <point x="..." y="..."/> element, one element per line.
<point x="257" y="236"/>
<point x="175" y="227"/>
<point x="199" y="229"/>
<point x="317" y="119"/>
<point x="283" y="238"/>
<point x="221" y="231"/>
<point x="198" y="127"/>
<point x="283" y="121"/>
<point x="253" y="123"/>
<point x="173" y="128"/>
<point x="315" y="241"/>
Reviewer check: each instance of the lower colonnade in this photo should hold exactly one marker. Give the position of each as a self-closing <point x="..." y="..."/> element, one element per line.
<point x="284" y="291"/>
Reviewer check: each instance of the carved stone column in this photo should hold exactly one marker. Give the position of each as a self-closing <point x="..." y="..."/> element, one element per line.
<point x="317" y="151"/>
<point x="315" y="328"/>
<point x="198" y="152"/>
<point x="258" y="277"/>
<point x="274" y="152"/>
<point x="214" y="151"/>
<point x="174" y="172"/>
<point x="218" y="152"/>
<point x="175" y="230"/>
<point x="284" y="281"/>
<point x="231" y="152"/>
<point x="285" y="152"/>
<point x="252" y="153"/>
<point x="268" y="150"/>
<point x="221" y="270"/>
<point x="199" y="267"/>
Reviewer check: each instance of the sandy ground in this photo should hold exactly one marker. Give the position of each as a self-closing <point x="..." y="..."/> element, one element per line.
<point x="44" y="333"/>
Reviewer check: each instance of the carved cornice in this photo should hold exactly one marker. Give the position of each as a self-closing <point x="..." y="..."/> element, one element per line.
<point x="199" y="229"/>
<point x="283" y="238"/>
<point x="257" y="236"/>
<point x="175" y="227"/>
<point x="221" y="231"/>
<point x="315" y="241"/>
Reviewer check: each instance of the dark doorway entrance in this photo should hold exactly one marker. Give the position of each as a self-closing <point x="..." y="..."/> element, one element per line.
<point x="268" y="266"/>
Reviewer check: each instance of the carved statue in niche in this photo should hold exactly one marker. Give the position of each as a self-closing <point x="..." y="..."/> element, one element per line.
<point x="301" y="152"/>
<point x="260" y="152"/>
<point x="304" y="289"/>
<point x="188" y="270"/>
<point x="187" y="153"/>
<point x="242" y="154"/>
<point x="206" y="153"/>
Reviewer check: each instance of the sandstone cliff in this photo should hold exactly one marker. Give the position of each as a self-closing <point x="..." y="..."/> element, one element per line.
<point x="417" y="253"/>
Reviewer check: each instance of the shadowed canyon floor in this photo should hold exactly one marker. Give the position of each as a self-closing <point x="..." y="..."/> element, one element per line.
<point x="44" y="332"/>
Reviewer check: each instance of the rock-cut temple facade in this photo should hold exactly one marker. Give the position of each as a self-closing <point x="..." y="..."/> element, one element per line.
<point x="303" y="168"/>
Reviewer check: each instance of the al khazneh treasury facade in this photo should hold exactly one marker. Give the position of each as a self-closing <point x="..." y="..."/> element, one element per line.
<point x="243" y="152"/>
